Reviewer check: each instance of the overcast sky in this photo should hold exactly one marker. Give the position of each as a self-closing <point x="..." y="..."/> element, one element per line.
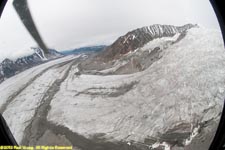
<point x="68" y="24"/>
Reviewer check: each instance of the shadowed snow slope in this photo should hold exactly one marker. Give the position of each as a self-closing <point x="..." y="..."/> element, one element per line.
<point x="172" y="98"/>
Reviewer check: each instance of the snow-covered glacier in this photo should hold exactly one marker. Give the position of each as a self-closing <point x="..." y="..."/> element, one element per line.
<point x="174" y="103"/>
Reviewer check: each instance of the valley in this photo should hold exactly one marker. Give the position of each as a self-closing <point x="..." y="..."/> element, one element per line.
<point x="157" y="87"/>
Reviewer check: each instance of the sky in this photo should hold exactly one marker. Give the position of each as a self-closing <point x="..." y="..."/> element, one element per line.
<point x="69" y="24"/>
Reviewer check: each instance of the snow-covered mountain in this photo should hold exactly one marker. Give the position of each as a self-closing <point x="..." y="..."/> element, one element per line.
<point x="9" y="67"/>
<point x="132" y="41"/>
<point x="139" y="37"/>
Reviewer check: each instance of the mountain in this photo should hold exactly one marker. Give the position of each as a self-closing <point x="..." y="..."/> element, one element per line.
<point x="139" y="37"/>
<point x="132" y="42"/>
<point x="166" y="95"/>
<point x="9" y="67"/>
<point x="84" y="50"/>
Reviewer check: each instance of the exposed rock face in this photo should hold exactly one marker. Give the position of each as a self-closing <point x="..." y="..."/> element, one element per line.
<point x="1" y="74"/>
<point x="139" y="37"/>
<point x="9" y="67"/>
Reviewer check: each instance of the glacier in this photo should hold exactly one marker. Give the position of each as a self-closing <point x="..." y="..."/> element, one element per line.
<point x="174" y="102"/>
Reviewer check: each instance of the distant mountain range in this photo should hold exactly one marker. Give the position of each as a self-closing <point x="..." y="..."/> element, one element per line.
<point x="84" y="50"/>
<point x="9" y="67"/>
